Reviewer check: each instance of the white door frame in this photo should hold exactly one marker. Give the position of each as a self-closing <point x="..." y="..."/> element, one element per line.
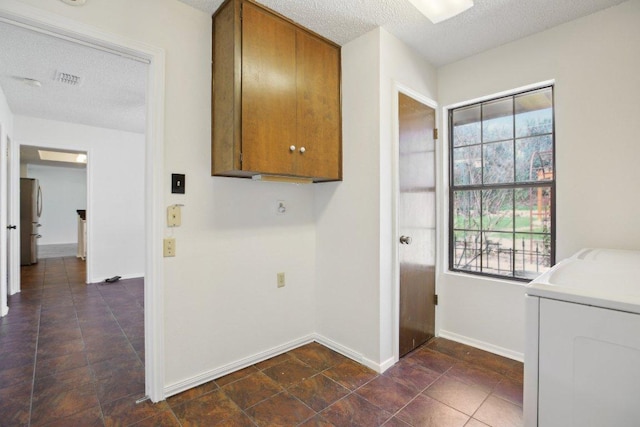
<point x="4" y="220"/>
<point x="399" y="88"/>
<point x="18" y="13"/>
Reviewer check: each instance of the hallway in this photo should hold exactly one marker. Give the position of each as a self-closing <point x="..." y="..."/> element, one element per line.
<point x="70" y="349"/>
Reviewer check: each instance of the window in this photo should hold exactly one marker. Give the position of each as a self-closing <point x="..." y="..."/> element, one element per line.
<point x="502" y="186"/>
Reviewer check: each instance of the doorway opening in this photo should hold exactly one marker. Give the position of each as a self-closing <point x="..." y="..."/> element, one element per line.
<point x="416" y="216"/>
<point x="58" y="27"/>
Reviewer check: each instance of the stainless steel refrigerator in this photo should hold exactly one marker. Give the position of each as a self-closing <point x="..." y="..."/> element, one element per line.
<point x="30" y="211"/>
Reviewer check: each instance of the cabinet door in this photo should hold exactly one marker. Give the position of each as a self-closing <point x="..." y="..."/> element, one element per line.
<point x="318" y="129"/>
<point x="268" y="92"/>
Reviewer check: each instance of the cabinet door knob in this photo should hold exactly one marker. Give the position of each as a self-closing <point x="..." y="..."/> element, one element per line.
<point x="302" y="149"/>
<point x="292" y="148"/>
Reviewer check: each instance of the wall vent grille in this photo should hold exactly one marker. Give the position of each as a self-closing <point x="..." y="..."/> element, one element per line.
<point x="69" y="79"/>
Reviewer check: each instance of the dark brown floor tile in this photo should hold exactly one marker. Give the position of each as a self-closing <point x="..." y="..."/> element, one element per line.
<point x="427" y="412"/>
<point x="350" y="374"/>
<point x="55" y="404"/>
<point x="14" y="404"/>
<point x="354" y="411"/>
<point x="124" y="363"/>
<point x="206" y="410"/>
<point x="237" y="420"/>
<point x="235" y="376"/>
<point x="463" y="397"/>
<point x="499" y="413"/>
<point x="450" y="348"/>
<point x="475" y="423"/>
<point x="412" y="375"/>
<point x="430" y="359"/>
<point x="91" y="417"/>
<point x="120" y="385"/>
<point x="163" y="419"/>
<point x="60" y="349"/>
<point x="395" y="422"/>
<point x="317" y="421"/>
<point x="126" y="411"/>
<point x="386" y="393"/>
<point x="318" y="392"/>
<point x="517" y="373"/>
<point x="469" y="374"/>
<point x="489" y="361"/>
<point x="192" y="393"/>
<point x="509" y="389"/>
<point x="272" y="362"/>
<point x="16" y="359"/>
<point x="252" y="389"/>
<point x="317" y="356"/>
<point x="63" y="380"/>
<point x="289" y="372"/>
<point x="16" y="375"/>
<point x="279" y="410"/>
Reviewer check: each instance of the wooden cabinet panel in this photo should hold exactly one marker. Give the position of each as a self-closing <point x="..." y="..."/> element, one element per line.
<point x="275" y="86"/>
<point x="268" y="92"/>
<point x="318" y="129"/>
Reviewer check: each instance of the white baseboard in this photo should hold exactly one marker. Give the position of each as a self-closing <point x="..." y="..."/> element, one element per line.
<point x="482" y="345"/>
<point x="213" y="374"/>
<point x="96" y="281"/>
<point x="4" y="311"/>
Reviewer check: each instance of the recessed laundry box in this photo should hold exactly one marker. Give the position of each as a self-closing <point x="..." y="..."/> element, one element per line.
<point x="582" y="351"/>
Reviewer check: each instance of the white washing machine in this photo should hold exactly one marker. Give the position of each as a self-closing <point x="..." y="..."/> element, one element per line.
<point x="582" y="349"/>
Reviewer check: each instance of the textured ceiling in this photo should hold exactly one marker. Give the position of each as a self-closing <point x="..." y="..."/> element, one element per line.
<point x="488" y="24"/>
<point x="112" y="92"/>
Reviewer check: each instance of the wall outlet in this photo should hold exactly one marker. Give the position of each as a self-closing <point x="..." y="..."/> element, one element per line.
<point x="169" y="249"/>
<point x="174" y="216"/>
<point x="281" y="280"/>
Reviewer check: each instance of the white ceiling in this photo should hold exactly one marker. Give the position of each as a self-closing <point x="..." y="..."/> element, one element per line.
<point x="489" y="23"/>
<point x="113" y="89"/>
<point x="112" y="92"/>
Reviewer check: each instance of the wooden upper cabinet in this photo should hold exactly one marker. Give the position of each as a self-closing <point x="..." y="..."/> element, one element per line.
<point x="276" y="97"/>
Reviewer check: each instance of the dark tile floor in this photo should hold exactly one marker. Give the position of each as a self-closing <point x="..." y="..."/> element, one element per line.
<point x="71" y="355"/>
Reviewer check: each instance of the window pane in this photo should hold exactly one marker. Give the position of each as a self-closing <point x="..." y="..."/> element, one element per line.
<point x="534" y="159"/>
<point x="466" y="205"/>
<point x="497" y="253"/>
<point x="498" y="162"/>
<point x="466" y="126"/>
<point x="533" y="210"/>
<point x="497" y="210"/>
<point x="534" y="113"/>
<point x="497" y="120"/>
<point x="467" y="166"/>
<point x="466" y="250"/>
<point x="531" y="258"/>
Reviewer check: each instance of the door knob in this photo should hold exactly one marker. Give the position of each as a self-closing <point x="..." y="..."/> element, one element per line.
<point x="405" y="240"/>
<point x="11" y="227"/>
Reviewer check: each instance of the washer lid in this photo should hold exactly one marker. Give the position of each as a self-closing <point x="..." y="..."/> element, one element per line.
<point x="606" y="278"/>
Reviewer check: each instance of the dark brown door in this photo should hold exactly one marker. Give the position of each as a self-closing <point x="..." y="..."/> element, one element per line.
<point x="417" y="224"/>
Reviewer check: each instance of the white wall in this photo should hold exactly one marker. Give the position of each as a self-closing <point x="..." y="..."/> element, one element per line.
<point x="115" y="190"/>
<point x="356" y="289"/>
<point x="595" y="62"/>
<point x="64" y="190"/>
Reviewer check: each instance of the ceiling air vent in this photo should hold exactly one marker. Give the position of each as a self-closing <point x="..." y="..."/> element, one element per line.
<point x="69" y="79"/>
